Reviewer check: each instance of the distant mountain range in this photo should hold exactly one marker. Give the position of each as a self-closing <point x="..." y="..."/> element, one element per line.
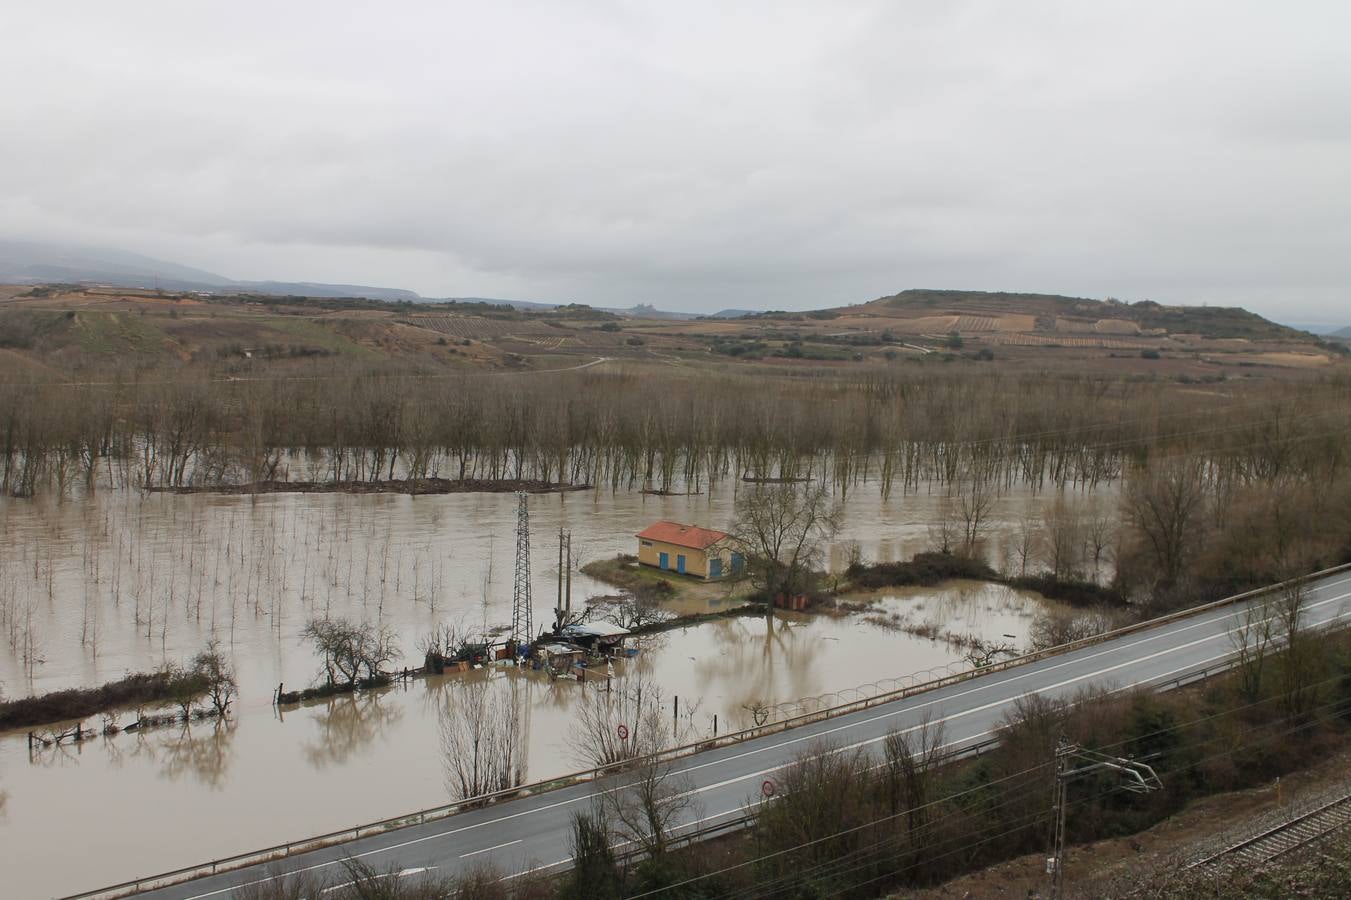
<point x="30" y="262"/>
<point x="33" y="262"/>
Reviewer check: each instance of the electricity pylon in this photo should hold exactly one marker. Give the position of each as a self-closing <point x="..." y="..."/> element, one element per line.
<point x="1139" y="779"/>
<point x="522" y="633"/>
<point x="522" y="615"/>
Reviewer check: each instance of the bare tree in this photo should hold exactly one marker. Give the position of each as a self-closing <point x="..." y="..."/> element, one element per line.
<point x="635" y="611"/>
<point x="1023" y="547"/>
<point x="348" y="647"/>
<point x="911" y="772"/>
<point x="218" y="676"/>
<point x="975" y="502"/>
<point x="619" y="721"/>
<point x="650" y="805"/>
<point x="379" y="646"/>
<point x="1062" y="539"/>
<point x="1252" y="640"/>
<point x="819" y="804"/>
<point x="595" y="872"/>
<point x="1099" y="535"/>
<point x="945" y="533"/>
<point x="338" y="643"/>
<point x="1302" y="659"/>
<point x="781" y="531"/>
<point x="1057" y="627"/>
<point x="185" y="686"/>
<point x="980" y="653"/>
<point x="759" y="711"/>
<point x="480" y="739"/>
<point x="1166" y="507"/>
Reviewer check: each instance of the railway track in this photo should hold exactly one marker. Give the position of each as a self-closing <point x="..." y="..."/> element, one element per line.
<point x="1273" y="843"/>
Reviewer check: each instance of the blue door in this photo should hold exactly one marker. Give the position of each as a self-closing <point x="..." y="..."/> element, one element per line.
<point x="663" y="561"/>
<point x="715" y="567"/>
<point x="680" y="563"/>
<point x="738" y="563"/>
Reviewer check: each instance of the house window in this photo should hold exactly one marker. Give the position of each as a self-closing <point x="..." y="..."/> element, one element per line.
<point x="647" y="543"/>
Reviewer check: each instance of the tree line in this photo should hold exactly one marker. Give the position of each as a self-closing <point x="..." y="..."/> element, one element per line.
<point x="633" y="428"/>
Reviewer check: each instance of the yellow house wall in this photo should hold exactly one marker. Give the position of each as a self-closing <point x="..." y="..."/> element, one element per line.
<point x="696" y="561"/>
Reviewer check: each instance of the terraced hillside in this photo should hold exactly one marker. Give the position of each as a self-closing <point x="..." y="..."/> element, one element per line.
<point x="83" y="329"/>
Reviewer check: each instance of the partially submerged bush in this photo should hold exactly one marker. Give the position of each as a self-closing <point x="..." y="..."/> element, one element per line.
<point x="210" y="675"/>
<point x="1073" y="591"/>
<point x="923" y="569"/>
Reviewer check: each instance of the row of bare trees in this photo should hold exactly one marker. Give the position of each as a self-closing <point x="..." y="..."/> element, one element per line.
<point x="625" y="429"/>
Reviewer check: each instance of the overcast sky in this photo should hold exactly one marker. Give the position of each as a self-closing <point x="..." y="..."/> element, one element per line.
<point x="697" y="156"/>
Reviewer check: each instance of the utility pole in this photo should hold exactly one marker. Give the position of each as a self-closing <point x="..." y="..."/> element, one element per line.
<point x="563" y="605"/>
<point x="522" y="615"/>
<point x="558" y="603"/>
<point x="1138" y="778"/>
<point x="1056" y="864"/>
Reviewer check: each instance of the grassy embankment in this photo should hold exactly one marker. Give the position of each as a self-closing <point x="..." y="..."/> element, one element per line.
<point x="650" y="589"/>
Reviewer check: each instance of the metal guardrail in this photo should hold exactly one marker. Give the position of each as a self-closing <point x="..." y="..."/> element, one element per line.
<point x="282" y="851"/>
<point x="690" y="837"/>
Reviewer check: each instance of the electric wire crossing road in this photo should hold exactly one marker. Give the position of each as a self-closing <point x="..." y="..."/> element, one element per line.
<point x="530" y="834"/>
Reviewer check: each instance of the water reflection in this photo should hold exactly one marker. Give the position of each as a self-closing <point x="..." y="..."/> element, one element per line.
<point x="349" y="724"/>
<point x="200" y="751"/>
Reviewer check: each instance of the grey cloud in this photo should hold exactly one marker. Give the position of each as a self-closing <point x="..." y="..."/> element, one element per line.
<point x="779" y="155"/>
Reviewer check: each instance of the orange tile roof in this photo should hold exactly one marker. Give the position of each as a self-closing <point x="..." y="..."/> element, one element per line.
<point x="681" y="535"/>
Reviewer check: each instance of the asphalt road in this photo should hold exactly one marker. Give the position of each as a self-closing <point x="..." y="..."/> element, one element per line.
<point x="531" y="833"/>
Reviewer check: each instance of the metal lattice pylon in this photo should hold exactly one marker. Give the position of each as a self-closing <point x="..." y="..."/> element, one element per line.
<point x="522" y="615"/>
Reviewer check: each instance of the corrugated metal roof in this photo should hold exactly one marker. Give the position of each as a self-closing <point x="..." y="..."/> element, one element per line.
<point x="682" y="535"/>
<point x="593" y="629"/>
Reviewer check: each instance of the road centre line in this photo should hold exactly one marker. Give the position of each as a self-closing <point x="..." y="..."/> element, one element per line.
<point x="489" y="849"/>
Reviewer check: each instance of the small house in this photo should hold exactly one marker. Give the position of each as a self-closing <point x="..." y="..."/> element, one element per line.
<point x="688" y="550"/>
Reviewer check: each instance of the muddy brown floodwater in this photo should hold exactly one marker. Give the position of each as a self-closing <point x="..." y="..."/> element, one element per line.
<point x="124" y="582"/>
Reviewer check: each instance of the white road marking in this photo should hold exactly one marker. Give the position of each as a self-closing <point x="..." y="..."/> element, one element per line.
<point x="819" y="734"/>
<point x="488" y="849"/>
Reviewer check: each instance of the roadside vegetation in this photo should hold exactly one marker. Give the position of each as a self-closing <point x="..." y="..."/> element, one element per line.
<point x="843" y="823"/>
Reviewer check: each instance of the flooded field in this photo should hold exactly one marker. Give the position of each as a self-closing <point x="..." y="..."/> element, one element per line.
<point x="124" y="582"/>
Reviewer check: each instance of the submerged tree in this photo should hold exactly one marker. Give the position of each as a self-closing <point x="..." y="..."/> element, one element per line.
<point x="1166" y="508"/>
<point x="782" y="531"/>
<point x="348" y="647"/>
<point x="218" y="676"/>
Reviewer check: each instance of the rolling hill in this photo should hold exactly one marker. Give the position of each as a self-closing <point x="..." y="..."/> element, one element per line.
<point x="1054" y="313"/>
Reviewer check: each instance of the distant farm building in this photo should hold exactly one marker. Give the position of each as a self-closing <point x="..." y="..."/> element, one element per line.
<point x="688" y="550"/>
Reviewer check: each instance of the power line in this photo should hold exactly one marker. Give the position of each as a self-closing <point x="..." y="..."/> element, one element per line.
<point x="868" y="852"/>
<point x="958" y="795"/>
